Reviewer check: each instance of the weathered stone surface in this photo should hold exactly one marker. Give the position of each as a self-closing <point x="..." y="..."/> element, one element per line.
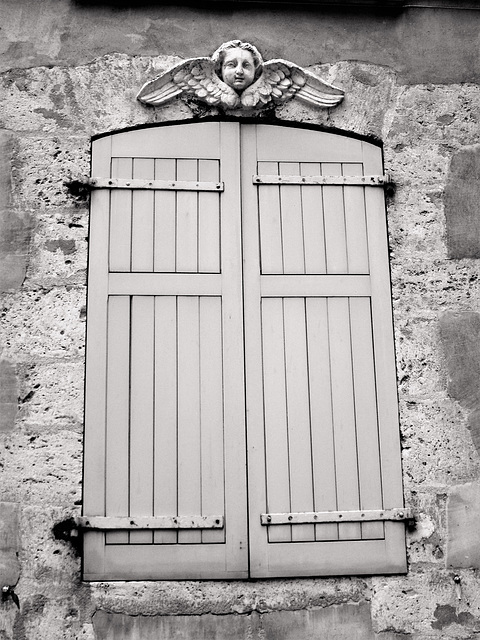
<point x="460" y="334"/>
<point x="9" y="543"/>
<point x="433" y="46"/>
<point x="15" y="227"/>
<point x="8" y="396"/>
<point x="39" y="324"/>
<point x="342" y="622"/>
<point x="44" y="404"/>
<point x="462" y="204"/>
<point x="221" y="598"/>
<point x="463" y="509"/>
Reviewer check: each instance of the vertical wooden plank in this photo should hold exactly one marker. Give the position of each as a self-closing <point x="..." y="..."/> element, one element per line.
<point x="189" y="437"/>
<point x="96" y="358"/>
<point x="275" y="410"/>
<point x="298" y="414"/>
<point x="208" y="220"/>
<point x="236" y="554"/>
<point x="366" y="413"/>
<point x="165" y="447"/>
<point x="313" y="231"/>
<point x="141" y="413"/>
<point x="142" y="217"/>
<point x="271" y="251"/>
<point x="121" y="218"/>
<point x="292" y="222"/>
<point x="334" y="216"/>
<point x="323" y="444"/>
<point x="387" y="401"/>
<point x="211" y="412"/>
<point x="343" y="413"/>
<point x="165" y="222"/>
<point x="355" y="222"/>
<point x="118" y="409"/>
<point x="187" y="219"/>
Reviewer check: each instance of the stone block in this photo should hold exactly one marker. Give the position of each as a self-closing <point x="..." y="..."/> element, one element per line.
<point x="8" y="395"/>
<point x="15" y="228"/>
<point x="460" y="336"/>
<point x="9" y="543"/>
<point x="462" y="209"/>
<point x="338" y="622"/>
<point x="463" y="526"/>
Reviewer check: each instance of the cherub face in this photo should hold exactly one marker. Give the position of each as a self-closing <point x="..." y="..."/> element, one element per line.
<point x="238" y="68"/>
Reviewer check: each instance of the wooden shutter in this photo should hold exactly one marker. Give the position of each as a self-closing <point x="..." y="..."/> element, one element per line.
<point x="320" y="370"/>
<point x="172" y="314"/>
<point x="165" y="427"/>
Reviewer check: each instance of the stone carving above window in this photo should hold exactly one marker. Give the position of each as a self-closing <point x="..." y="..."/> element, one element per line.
<point x="236" y="77"/>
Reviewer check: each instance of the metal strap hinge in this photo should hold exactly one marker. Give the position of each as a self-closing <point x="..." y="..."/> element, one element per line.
<point x="159" y="185"/>
<point x="318" y="517"/>
<point x="106" y="523"/>
<point x="362" y="181"/>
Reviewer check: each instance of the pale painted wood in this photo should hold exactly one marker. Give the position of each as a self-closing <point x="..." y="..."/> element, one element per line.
<point x="366" y="420"/>
<point x="298" y="414"/>
<point x="313" y="231"/>
<point x="208" y="220"/>
<point x="164" y="284"/>
<point x="142" y="217"/>
<point x="332" y="286"/>
<point x="355" y="222"/>
<point x="277" y="143"/>
<point x="165" y="219"/>
<point x="292" y="222"/>
<point x="189" y="436"/>
<point x="253" y="346"/>
<point x="275" y="414"/>
<point x="383" y="338"/>
<point x="96" y="359"/>
<point x="270" y="221"/>
<point x="121" y="218"/>
<point x="334" y="220"/>
<point x="211" y="413"/>
<point x="236" y="547"/>
<point x="172" y="562"/>
<point x="191" y="560"/>
<point x="117" y="418"/>
<point x="187" y="219"/>
<point x="346" y="463"/>
<point x="165" y="414"/>
<point x="192" y="140"/>
<point x="321" y="411"/>
<point x="141" y="413"/>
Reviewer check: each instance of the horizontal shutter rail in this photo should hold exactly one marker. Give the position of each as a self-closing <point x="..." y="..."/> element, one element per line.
<point x="164" y="284"/>
<point x="315" y="517"/>
<point x="363" y="181"/>
<point x="159" y="185"/>
<point x="316" y="285"/>
<point x="107" y="523"/>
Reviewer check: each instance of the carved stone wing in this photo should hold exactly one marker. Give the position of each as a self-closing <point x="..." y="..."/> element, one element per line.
<point x="195" y="77"/>
<point x="282" y="80"/>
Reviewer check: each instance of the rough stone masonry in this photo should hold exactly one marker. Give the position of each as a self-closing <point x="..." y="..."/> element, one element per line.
<point x="57" y="89"/>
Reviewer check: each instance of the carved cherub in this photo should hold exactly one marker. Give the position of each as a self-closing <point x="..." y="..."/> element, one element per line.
<point x="236" y="77"/>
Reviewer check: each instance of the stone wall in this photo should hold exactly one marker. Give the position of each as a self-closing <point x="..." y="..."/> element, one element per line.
<point x="429" y="132"/>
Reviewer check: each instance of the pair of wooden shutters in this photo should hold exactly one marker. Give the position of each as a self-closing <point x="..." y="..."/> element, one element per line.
<point x="241" y="390"/>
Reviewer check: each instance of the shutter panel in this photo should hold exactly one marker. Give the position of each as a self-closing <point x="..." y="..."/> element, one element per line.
<point x="321" y="387"/>
<point x="172" y="317"/>
<point x="165" y="399"/>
